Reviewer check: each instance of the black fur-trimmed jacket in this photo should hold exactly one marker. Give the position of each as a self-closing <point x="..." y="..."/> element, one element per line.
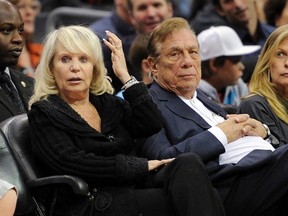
<point x="66" y="143"/>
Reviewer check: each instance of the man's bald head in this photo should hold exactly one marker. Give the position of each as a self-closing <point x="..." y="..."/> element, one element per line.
<point x="11" y="34"/>
<point x="4" y="5"/>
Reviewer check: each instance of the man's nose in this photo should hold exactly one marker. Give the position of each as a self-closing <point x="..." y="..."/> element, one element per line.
<point x="241" y="66"/>
<point x="17" y="37"/>
<point x="151" y="11"/>
<point x="188" y="61"/>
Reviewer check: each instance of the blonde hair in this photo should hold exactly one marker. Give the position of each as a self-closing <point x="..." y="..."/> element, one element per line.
<point x="74" y="39"/>
<point x="260" y="82"/>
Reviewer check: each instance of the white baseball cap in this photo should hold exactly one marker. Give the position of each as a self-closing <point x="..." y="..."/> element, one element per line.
<point x="222" y="41"/>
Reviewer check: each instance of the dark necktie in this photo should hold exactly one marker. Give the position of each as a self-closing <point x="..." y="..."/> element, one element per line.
<point x="9" y="90"/>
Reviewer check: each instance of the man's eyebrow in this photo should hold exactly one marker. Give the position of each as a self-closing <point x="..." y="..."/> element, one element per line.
<point x="180" y="48"/>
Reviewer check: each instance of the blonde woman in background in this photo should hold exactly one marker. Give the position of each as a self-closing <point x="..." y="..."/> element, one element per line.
<point x="268" y="101"/>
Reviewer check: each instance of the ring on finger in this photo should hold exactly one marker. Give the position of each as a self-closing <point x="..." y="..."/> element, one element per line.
<point x="118" y="47"/>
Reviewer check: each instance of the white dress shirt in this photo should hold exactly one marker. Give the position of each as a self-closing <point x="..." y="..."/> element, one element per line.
<point x="234" y="151"/>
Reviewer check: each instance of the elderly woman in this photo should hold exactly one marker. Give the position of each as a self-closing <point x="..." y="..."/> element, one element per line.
<point x="79" y="128"/>
<point x="268" y="101"/>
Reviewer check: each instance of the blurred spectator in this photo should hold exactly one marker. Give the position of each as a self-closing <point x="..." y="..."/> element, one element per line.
<point x="259" y="6"/>
<point x="29" y="58"/>
<point x="276" y="12"/>
<point x="222" y="68"/>
<point x="148" y="14"/>
<point x="138" y="57"/>
<point x="187" y="8"/>
<point x="120" y="24"/>
<point x="242" y="17"/>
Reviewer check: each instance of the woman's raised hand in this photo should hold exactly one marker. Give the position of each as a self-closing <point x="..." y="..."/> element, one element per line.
<point x="117" y="56"/>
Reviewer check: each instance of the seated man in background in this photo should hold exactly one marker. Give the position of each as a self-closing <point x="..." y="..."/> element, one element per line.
<point x="222" y="68"/>
<point x="138" y="57"/>
<point x="249" y="174"/>
<point x="15" y="88"/>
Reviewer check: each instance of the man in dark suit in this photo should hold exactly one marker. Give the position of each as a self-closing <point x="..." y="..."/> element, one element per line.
<point x="14" y="98"/>
<point x="249" y="174"/>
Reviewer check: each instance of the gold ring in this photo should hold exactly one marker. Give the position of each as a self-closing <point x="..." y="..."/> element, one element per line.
<point x="118" y="47"/>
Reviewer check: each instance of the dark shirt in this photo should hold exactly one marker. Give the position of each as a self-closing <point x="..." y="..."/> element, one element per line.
<point x="206" y="18"/>
<point x="113" y="23"/>
<point x="24" y="86"/>
<point x="258" y="107"/>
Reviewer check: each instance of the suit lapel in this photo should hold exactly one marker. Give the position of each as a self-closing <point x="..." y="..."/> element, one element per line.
<point x="6" y="103"/>
<point x="181" y="109"/>
<point x="22" y="87"/>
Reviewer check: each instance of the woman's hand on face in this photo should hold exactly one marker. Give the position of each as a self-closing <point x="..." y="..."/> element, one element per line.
<point x="117" y="57"/>
<point x="154" y="164"/>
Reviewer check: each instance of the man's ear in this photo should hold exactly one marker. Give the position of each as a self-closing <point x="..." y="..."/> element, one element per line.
<point x="213" y="67"/>
<point x="152" y="65"/>
<point x="146" y="72"/>
<point x="145" y="66"/>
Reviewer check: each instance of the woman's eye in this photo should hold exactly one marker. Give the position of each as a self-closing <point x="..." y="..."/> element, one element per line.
<point x="84" y="59"/>
<point x="65" y="59"/>
<point x="280" y="54"/>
